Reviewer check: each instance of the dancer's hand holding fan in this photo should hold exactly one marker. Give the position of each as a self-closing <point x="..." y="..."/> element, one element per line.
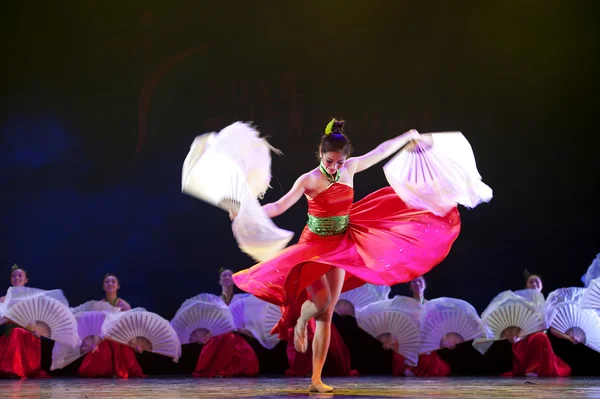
<point x="436" y="172"/>
<point x="395" y="323"/>
<point x="568" y="317"/>
<point x="230" y="170"/>
<point x="447" y="322"/>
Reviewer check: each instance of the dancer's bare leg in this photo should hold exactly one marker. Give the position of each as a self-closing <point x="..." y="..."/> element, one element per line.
<point x="320" y="300"/>
<point x="320" y="346"/>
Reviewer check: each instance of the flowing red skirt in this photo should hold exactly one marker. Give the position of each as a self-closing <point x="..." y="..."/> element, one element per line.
<point x="386" y="242"/>
<point x="534" y="354"/>
<point x="227" y="355"/>
<point x="110" y="359"/>
<point x="337" y="362"/>
<point x="21" y="355"/>
<point x="430" y="365"/>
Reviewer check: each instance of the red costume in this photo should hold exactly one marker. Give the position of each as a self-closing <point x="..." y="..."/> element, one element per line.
<point x="227" y="355"/>
<point x="430" y="365"/>
<point x="110" y="359"/>
<point x="378" y="239"/>
<point x="534" y="354"/>
<point x="20" y="353"/>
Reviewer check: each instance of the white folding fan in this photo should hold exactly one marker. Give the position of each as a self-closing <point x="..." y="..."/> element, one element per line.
<point x="199" y="317"/>
<point x="145" y="329"/>
<point x="436" y="172"/>
<point x="220" y="167"/>
<point x="230" y="170"/>
<point x="398" y="317"/>
<point x="448" y="322"/>
<point x="584" y="324"/>
<point x="90" y="332"/>
<point x="51" y="318"/>
<point x="257" y="316"/>
<point x="363" y="296"/>
<point x="591" y="296"/>
<point x="513" y="312"/>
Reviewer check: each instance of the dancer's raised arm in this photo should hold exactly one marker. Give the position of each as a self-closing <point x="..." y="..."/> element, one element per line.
<point x="290" y="198"/>
<point x="381" y="152"/>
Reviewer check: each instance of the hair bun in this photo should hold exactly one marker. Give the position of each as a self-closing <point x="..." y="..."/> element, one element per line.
<point x="338" y="127"/>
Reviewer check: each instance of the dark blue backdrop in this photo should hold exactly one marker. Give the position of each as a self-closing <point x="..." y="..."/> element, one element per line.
<point x="101" y="101"/>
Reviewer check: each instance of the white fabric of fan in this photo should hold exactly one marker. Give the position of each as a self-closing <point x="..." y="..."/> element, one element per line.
<point x="51" y="318"/>
<point x="364" y="295"/>
<point x="398" y="317"/>
<point x="230" y="170"/>
<point x="592" y="272"/>
<point x="257" y="316"/>
<point x="591" y="296"/>
<point x="210" y="315"/>
<point x="448" y="322"/>
<point x="152" y="330"/>
<point x="95" y="306"/>
<point x="16" y="294"/>
<point x="437" y="172"/>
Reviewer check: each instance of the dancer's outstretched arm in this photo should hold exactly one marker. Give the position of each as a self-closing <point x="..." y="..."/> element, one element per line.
<point x="381" y="152"/>
<point x="284" y="203"/>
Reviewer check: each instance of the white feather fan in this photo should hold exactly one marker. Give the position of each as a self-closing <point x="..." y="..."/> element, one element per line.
<point x="50" y="318"/>
<point x="448" y="322"/>
<point x="145" y="330"/>
<point x="90" y="332"/>
<point x="398" y="317"/>
<point x="200" y="317"/>
<point x="513" y="311"/>
<point x="230" y="170"/>
<point x="436" y="172"/>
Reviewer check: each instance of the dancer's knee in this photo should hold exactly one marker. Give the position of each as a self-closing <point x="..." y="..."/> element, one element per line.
<point x="323" y="302"/>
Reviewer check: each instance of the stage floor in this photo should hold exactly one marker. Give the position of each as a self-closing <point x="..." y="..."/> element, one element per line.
<point x="359" y="387"/>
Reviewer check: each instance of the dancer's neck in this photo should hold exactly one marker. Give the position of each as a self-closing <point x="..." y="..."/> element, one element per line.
<point x="111" y="297"/>
<point x="227" y="293"/>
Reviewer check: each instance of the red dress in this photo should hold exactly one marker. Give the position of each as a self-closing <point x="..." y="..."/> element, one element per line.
<point x="336" y="364"/>
<point x="430" y="365"/>
<point x="227" y="355"/>
<point x="110" y="359"/>
<point x="20" y="354"/>
<point x="534" y="354"/>
<point x="385" y="243"/>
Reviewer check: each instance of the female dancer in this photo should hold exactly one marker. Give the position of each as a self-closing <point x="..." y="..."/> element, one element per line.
<point x="20" y="349"/>
<point x="533" y="355"/>
<point x="227" y="355"/>
<point x="378" y="239"/>
<point x="111" y="358"/>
